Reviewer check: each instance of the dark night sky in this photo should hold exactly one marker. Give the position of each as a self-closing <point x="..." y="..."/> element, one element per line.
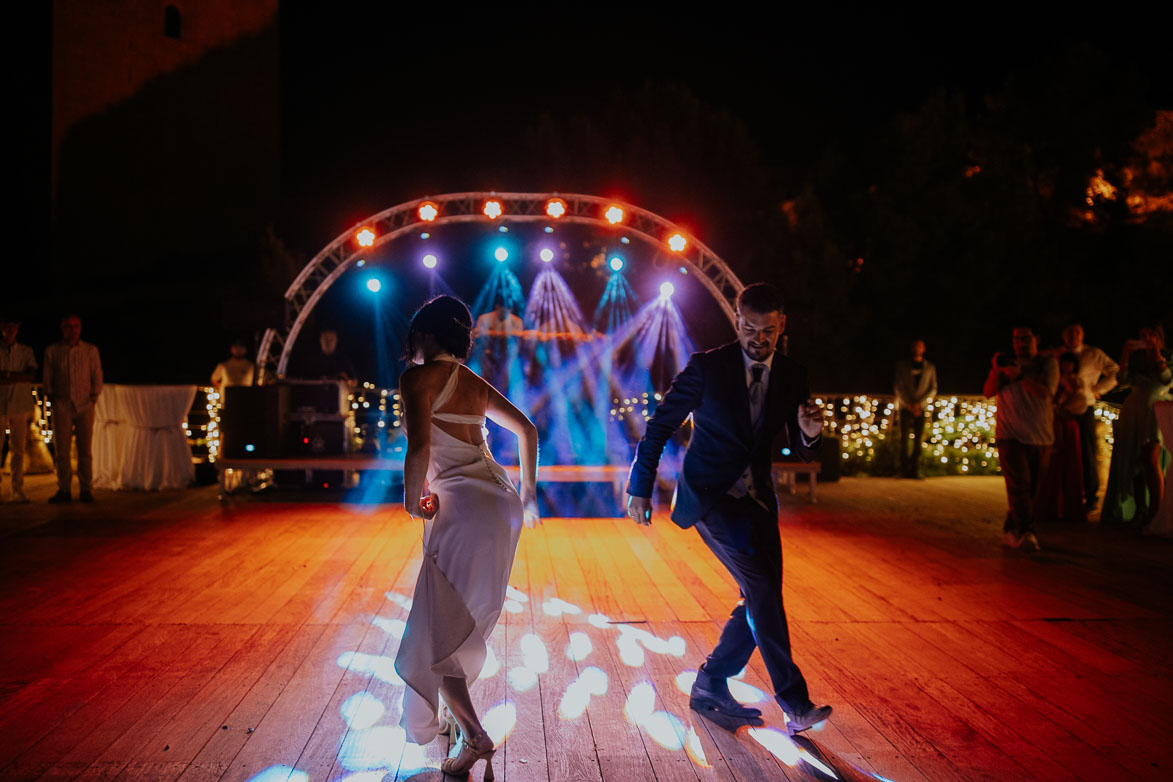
<point x="384" y="103"/>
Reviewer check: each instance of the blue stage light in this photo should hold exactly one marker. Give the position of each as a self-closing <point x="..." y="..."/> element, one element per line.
<point x="250" y="447"/>
<point x="616" y="263"/>
<point x="374" y="285"/>
<point x="360" y="263"/>
<point x="501" y="254"/>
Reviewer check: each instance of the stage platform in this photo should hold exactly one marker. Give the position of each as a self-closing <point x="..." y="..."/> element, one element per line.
<point x="169" y="637"/>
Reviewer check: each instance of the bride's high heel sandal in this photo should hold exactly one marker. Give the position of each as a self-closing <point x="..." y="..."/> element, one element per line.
<point x="469" y="754"/>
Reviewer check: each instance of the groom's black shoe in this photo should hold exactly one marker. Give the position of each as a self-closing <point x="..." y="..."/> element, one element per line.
<point x="805" y="718"/>
<point x="711" y="694"/>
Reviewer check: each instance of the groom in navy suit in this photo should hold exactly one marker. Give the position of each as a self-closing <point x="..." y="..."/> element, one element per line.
<point x="742" y="397"/>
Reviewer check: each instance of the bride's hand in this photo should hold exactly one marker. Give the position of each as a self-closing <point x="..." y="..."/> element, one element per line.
<point x="529" y="512"/>
<point x="429" y="506"/>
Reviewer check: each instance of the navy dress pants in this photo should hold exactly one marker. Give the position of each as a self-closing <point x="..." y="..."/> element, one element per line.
<point x="745" y="537"/>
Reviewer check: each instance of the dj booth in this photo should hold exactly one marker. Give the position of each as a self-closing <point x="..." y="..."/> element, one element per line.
<point x="300" y="429"/>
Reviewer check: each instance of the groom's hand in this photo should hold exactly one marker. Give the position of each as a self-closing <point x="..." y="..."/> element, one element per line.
<point x="810" y="420"/>
<point x="639" y="510"/>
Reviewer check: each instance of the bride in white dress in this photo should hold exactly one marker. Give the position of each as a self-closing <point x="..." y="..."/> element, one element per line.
<point x="472" y="516"/>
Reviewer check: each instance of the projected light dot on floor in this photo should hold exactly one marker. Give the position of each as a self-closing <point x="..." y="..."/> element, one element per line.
<point x="579" y="647"/>
<point x="522" y="679"/>
<point x="280" y="774"/>
<point x="362" y="710"/>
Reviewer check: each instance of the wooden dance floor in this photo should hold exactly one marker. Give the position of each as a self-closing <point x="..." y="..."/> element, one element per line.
<point x="163" y="637"/>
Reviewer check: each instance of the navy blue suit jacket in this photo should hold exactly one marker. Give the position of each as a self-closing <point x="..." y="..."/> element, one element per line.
<point x="712" y="388"/>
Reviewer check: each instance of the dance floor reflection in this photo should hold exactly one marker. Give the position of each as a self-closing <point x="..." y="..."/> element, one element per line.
<point x="375" y="747"/>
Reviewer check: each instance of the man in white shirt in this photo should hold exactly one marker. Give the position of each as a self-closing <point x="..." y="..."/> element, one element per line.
<point x="235" y="371"/>
<point x="73" y="381"/>
<point x="18" y="368"/>
<point x="1024" y="384"/>
<point x="1098" y="373"/>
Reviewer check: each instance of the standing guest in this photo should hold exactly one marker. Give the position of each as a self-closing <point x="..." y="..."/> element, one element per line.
<point x="1135" y="480"/>
<point x="1024" y="384"/>
<point x="1061" y="491"/>
<point x="1098" y="375"/>
<point x="915" y="385"/>
<point x="18" y="369"/>
<point x="236" y="370"/>
<point x="740" y="396"/>
<point x="73" y="381"/>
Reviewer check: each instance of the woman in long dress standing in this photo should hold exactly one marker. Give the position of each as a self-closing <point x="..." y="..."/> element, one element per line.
<point x="1135" y="475"/>
<point x="472" y="516"/>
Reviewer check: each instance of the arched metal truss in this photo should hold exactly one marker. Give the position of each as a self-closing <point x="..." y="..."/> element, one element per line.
<point x="335" y="258"/>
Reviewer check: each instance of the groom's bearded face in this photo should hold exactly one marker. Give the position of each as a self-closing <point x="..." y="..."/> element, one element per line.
<point x="758" y="332"/>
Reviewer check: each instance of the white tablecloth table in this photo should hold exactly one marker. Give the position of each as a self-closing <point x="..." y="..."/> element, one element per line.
<point x="139" y="439"/>
<point x="1162" y="523"/>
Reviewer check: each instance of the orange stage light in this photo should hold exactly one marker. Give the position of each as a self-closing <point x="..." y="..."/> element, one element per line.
<point x="677" y="243"/>
<point x="614" y="214"/>
<point x="555" y="207"/>
<point x="493" y="209"/>
<point x="365" y="237"/>
<point x="428" y="211"/>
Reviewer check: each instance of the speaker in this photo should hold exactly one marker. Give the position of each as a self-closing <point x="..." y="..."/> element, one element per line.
<point x="325" y="397"/>
<point x="321" y="436"/>
<point x="250" y="422"/>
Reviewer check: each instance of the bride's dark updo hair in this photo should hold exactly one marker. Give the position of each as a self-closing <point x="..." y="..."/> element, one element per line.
<point x="448" y="321"/>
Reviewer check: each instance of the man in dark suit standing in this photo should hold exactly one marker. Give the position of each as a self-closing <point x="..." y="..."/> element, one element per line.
<point x="741" y="396"/>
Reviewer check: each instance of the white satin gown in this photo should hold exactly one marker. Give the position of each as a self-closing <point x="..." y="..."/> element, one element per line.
<point x="468" y="552"/>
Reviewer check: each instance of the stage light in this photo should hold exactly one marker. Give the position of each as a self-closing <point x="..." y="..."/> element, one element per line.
<point x="374" y="285"/>
<point x="365" y="237"/>
<point x="503" y="229"/>
<point x="428" y="211"/>
<point x="546" y="254"/>
<point x="666" y="290"/>
<point x="501" y="254"/>
<point x="360" y="263"/>
<point x="677" y="243"/>
<point x="614" y="214"/>
<point x="492" y="209"/>
<point x="548" y="229"/>
<point x="616" y="263"/>
<point x="555" y="207"/>
<point x="430" y="261"/>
